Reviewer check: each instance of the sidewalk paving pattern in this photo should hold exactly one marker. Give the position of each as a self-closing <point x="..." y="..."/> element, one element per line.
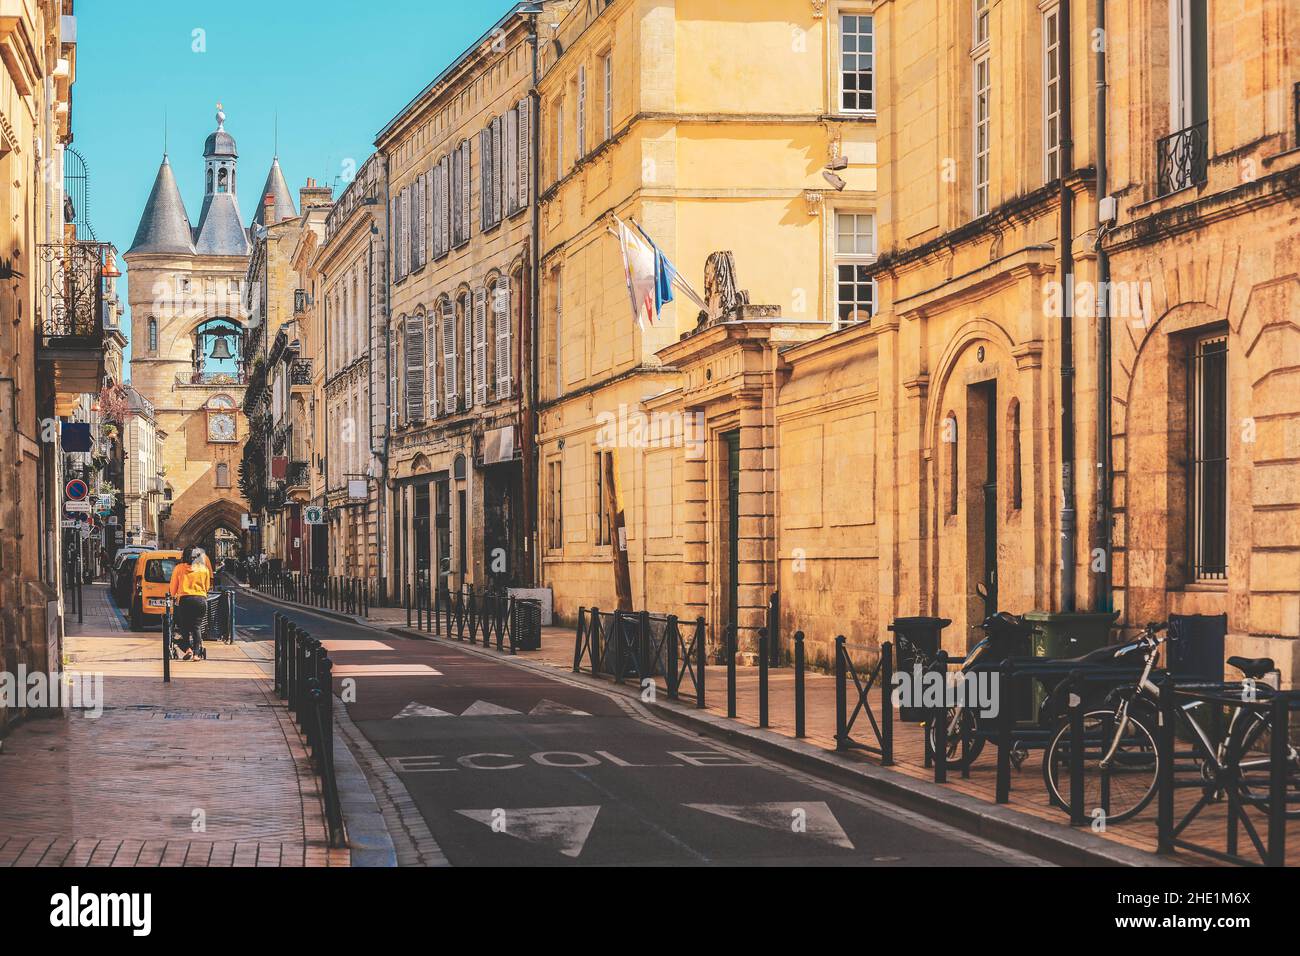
<point x="208" y="770"/>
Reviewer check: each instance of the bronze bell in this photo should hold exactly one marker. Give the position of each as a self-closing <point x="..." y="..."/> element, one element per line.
<point x="221" y="350"/>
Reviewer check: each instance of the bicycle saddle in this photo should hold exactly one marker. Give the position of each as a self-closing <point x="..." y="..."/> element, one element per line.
<point x="1005" y="620"/>
<point x="1252" y="666"/>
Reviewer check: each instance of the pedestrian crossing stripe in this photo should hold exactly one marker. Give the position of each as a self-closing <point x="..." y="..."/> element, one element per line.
<point x="564" y="829"/>
<point x="811" y="818"/>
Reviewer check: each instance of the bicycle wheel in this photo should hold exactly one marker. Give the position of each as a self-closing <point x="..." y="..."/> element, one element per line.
<point x="1248" y="748"/>
<point x="968" y="726"/>
<point x="1132" y="773"/>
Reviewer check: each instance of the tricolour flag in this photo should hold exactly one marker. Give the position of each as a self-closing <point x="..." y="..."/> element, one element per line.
<point x="639" y="269"/>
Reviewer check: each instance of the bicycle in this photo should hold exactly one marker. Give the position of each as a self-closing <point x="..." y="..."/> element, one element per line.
<point x="1130" y="759"/>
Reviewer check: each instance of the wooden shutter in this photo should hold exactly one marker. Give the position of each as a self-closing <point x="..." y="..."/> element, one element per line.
<point x="525" y="149"/>
<point x="512" y="162"/>
<point x="480" y="347"/>
<point x="426" y="220"/>
<point x="396" y="230"/>
<point x="501" y="318"/>
<point x="445" y="184"/>
<point x="431" y="363"/>
<point x="485" y="178"/>
<point x="498" y="171"/>
<point x="466" y="199"/>
<point x="467" y="343"/>
<point x="415" y="368"/>
<point x="457" y="171"/>
<point x="449" y="356"/>
<point x="582" y="112"/>
<point x="395" y="400"/>
<point x="413" y="225"/>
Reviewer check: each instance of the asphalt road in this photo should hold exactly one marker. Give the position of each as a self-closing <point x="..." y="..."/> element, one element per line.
<point x="513" y="767"/>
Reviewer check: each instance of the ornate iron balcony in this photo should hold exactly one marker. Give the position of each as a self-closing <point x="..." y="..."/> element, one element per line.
<point x="300" y="302"/>
<point x="1182" y="158"/>
<point x="301" y="372"/>
<point x="72" y="293"/>
<point x="296" y="475"/>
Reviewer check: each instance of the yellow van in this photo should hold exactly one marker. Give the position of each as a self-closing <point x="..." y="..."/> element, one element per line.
<point x="153" y="578"/>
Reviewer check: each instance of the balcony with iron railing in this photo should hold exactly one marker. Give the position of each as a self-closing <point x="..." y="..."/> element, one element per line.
<point x="70" y="313"/>
<point x="1182" y="159"/>
<point x="300" y="373"/>
<point x="296" y="475"/>
<point x="301" y="300"/>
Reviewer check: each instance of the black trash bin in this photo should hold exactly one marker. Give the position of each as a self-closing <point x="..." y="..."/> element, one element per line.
<point x="527" y="625"/>
<point x="916" y="637"/>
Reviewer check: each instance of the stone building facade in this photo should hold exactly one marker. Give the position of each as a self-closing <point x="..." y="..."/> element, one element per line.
<point x="461" y="160"/>
<point x="52" y="352"/>
<point x="1204" y="408"/>
<point x="348" y="270"/>
<point x="636" y="123"/>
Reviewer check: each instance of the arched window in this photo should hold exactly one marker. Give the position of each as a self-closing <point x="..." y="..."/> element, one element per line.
<point x="467" y="345"/>
<point x="153" y="335"/>
<point x="1013" y="429"/>
<point x="223" y="475"/>
<point x="222" y="175"/>
<point x="949" y="439"/>
<point x="209" y="180"/>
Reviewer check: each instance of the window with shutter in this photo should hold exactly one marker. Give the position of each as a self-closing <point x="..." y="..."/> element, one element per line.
<point x="449" y="356"/>
<point x="395" y="400"/>
<point x="415" y="368"/>
<point x="465" y="199"/>
<point x="582" y="112"/>
<point x="431" y="363"/>
<point x="512" y="162"/>
<point x="435" y="212"/>
<point x="398" y="271"/>
<point x="457" y="172"/>
<point x="445" y="184"/>
<point x="525" y="149"/>
<point x="467" y="343"/>
<point x="498" y="170"/>
<point x="412" y="225"/>
<point x="426" y="221"/>
<point x="485" y="179"/>
<point x="480" y="347"/>
<point x="392" y="222"/>
<point x="501" y="317"/>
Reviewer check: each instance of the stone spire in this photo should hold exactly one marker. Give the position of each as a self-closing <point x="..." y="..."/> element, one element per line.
<point x="282" y="199"/>
<point x="164" y="226"/>
<point x="221" y="230"/>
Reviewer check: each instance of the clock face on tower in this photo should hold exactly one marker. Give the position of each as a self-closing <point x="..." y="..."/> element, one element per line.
<point x="221" y="427"/>
<point x="221" y="419"/>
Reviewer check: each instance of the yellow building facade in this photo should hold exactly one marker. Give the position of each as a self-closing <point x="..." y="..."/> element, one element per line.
<point x="713" y="134"/>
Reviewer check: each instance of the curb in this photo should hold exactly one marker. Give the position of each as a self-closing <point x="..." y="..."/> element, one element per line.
<point x="1053" y="842"/>
<point x="367" y="833"/>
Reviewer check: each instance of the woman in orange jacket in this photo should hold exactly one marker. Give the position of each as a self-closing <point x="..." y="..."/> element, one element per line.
<point x="189" y="589"/>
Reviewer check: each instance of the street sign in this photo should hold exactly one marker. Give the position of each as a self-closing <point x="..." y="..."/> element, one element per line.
<point x="76" y="490"/>
<point x="313" y="514"/>
<point x="69" y="524"/>
<point x="112" y="519"/>
<point x="80" y="506"/>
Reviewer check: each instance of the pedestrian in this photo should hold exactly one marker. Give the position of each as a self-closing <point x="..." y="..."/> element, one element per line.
<point x="190" y="584"/>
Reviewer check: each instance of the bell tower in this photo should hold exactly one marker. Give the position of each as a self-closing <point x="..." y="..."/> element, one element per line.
<point x="186" y="289"/>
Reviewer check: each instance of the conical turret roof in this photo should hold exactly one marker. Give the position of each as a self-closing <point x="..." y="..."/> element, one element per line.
<point x="278" y="190"/>
<point x="164" y="226"/>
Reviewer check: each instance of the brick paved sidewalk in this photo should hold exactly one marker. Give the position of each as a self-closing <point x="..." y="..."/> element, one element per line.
<point x="206" y="771"/>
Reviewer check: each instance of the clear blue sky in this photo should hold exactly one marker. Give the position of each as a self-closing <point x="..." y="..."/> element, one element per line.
<point x="334" y="70"/>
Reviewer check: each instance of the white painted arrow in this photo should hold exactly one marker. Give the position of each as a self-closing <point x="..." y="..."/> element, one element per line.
<point x="550" y="708"/>
<point x="820" y="823"/>
<point x="481" y="708"/>
<point x="558" y="828"/>
<point x="416" y="709"/>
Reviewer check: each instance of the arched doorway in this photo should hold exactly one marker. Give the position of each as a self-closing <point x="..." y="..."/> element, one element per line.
<point x="212" y="529"/>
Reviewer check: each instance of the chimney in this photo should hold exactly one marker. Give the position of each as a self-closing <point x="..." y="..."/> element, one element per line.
<point x="313" y="195"/>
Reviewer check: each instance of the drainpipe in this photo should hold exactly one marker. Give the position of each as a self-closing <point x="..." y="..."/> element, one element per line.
<point x="531" y="466"/>
<point x="1068" y="532"/>
<point x="1104" y="599"/>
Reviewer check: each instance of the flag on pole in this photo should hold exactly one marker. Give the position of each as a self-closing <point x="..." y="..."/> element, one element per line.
<point x="667" y="276"/>
<point x="640" y="271"/>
